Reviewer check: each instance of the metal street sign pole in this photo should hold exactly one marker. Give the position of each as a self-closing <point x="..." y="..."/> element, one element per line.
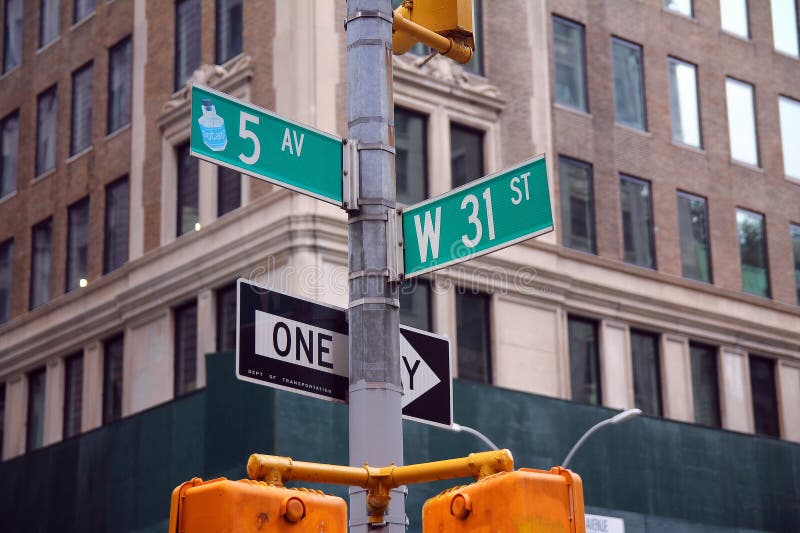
<point x="375" y="420"/>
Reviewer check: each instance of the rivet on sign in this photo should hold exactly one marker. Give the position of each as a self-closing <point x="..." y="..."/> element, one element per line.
<point x="294" y="510"/>
<point x="461" y="506"/>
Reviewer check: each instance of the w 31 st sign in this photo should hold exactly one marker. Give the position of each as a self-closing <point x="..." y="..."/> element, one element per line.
<point x="477" y="218"/>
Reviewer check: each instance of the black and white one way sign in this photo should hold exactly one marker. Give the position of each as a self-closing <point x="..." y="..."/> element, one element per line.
<point x="301" y="346"/>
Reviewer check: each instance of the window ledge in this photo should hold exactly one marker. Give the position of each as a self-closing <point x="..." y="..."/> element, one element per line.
<point x="49" y="45"/>
<point x="117" y="132"/>
<point x="8" y="197"/>
<point x="689" y="18"/>
<point x="10" y="72"/>
<point x="43" y="175"/>
<point x="632" y="129"/>
<point x="83" y="21"/>
<point x="748" y="166"/>
<point x="574" y="110"/>
<point x="689" y="147"/>
<point x="736" y="36"/>
<point x="792" y="179"/>
<point x="80" y="154"/>
<point x="781" y="53"/>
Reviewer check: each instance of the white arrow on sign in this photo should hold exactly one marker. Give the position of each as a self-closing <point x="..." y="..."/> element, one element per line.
<point x="417" y="376"/>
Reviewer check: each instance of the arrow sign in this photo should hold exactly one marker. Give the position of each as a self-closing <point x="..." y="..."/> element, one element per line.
<point x="477" y="218"/>
<point x="238" y="135"/>
<point x="301" y="346"/>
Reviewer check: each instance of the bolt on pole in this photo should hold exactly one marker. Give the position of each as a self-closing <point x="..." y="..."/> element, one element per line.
<point x="375" y="412"/>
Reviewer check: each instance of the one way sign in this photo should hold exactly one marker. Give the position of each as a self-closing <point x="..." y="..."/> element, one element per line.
<point x="298" y="345"/>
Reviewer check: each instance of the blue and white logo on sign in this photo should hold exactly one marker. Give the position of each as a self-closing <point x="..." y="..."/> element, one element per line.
<point x="212" y="127"/>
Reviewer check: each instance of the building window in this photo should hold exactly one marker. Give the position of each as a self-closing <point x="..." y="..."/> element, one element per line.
<point x="765" y="401"/>
<point x="693" y="227"/>
<point x="229" y="29"/>
<point x="187" y="40"/>
<point x="734" y="17"/>
<point x="229" y="190"/>
<point x="2" y="416"/>
<point x="577" y="204"/>
<point x="34" y="429"/>
<point x="637" y="222"/>
<point x="742" y="121"/>
<point x="705" y="384"/>
<point x="6" y="269"/>
<point x="41" y="262"/>
<point x="9" y="150"/>
<point x="790" y="135"/>
<point x="584" y="360"/>
<point x="82" y="9"/>
<point x="684" y="7"/>
<point x="628" y="84"/>
<point x="188" y="193"/>
<point x="475" y="65"/>
<point x="12" y="35"/>
<point x="47" y="110"/>
<point x="466" y="154"/>
<point x="113" y="351"/>
<point x="115" y="249"/>
<point x="185" y="349"/>
<point x="784" y="26"/>
<point x="81" y="109"/>
<point x="684" y="110"/>
<point x="753" y="253"/>
<point x="646" y="372"/>
<point x="119" y="85"/>
<point x="411" y="160"/>
<point x="49" y="21"/>
<point x="226" y="318"/>
<point x="73" y="394"/>
<point x="415" y="304"/>
<point x="78" y="244"/>
<point x="795" y="230"/>
<point x="569" y="58"/>
<point x="474" y="339"/>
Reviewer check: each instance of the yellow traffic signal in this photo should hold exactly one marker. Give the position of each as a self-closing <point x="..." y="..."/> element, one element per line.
<point x="444" y="25"/>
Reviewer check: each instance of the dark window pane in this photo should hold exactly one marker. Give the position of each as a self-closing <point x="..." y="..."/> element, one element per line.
<point x="113" y="351"/>
<point x="119" y="85"/>
<point x="229" y="190"/>
<point x="646" y="372"/>
<point x="9" y="149"/>
<point x="765" y="401"/>
<point x="475" y="65"/>
<point x="185" y="349"/>
<point x="229" y="29"/>
<point x="73" y="394"/>
<point x="47" y="107"/>
<point x="466" y="154"/>
<point x="34" y="431"/>
<point x="474" y="342"/>
<point x="6" y="270"/>
<point x="637" y="222"/>
<point x="115" y="252"/>
<point x="693" y="226"/>
<point x="82" y="9"/>
<point x="411" y="161"/>
<point x="41" y="252"/>
<point x="415" y="304"/>
<point x="628" y="84"/>
<point x="187" y="40"/>
<point x="77" y="243"/>
<point x="584" y="360"/>
<point x="12" y="35"/>
<point x="569" y="64"/>
<point x="577" y="205"/>
<point x="753" y="252"/>
<point x="796" y="245"/>
<point x="2" y="416"/>
<point x="705" y="385"/>
<point x="188" y="194"/>
<point x="48" y="21"/>
<point x="226" y="318"/>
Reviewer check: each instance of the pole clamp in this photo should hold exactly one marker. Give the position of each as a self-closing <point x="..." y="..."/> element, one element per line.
<point x="394" y="246"/>
<point x="377" y="146"/>
<point x="393" y="302"/>
<point x="369" y="14"/>
<point x="351" y="175"/>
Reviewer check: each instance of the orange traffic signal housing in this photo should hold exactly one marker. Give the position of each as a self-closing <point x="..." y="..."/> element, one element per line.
<point x="523" y="500"/>
<point x="253" y="506"/>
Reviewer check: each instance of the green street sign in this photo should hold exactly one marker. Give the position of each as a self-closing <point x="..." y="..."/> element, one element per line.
<point x="254" y="141"/>
<point x="477" y="218"/>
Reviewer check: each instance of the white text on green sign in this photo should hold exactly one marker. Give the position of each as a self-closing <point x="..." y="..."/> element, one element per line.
<point x="244" y="137"/>
<point x="477" y="218"/>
